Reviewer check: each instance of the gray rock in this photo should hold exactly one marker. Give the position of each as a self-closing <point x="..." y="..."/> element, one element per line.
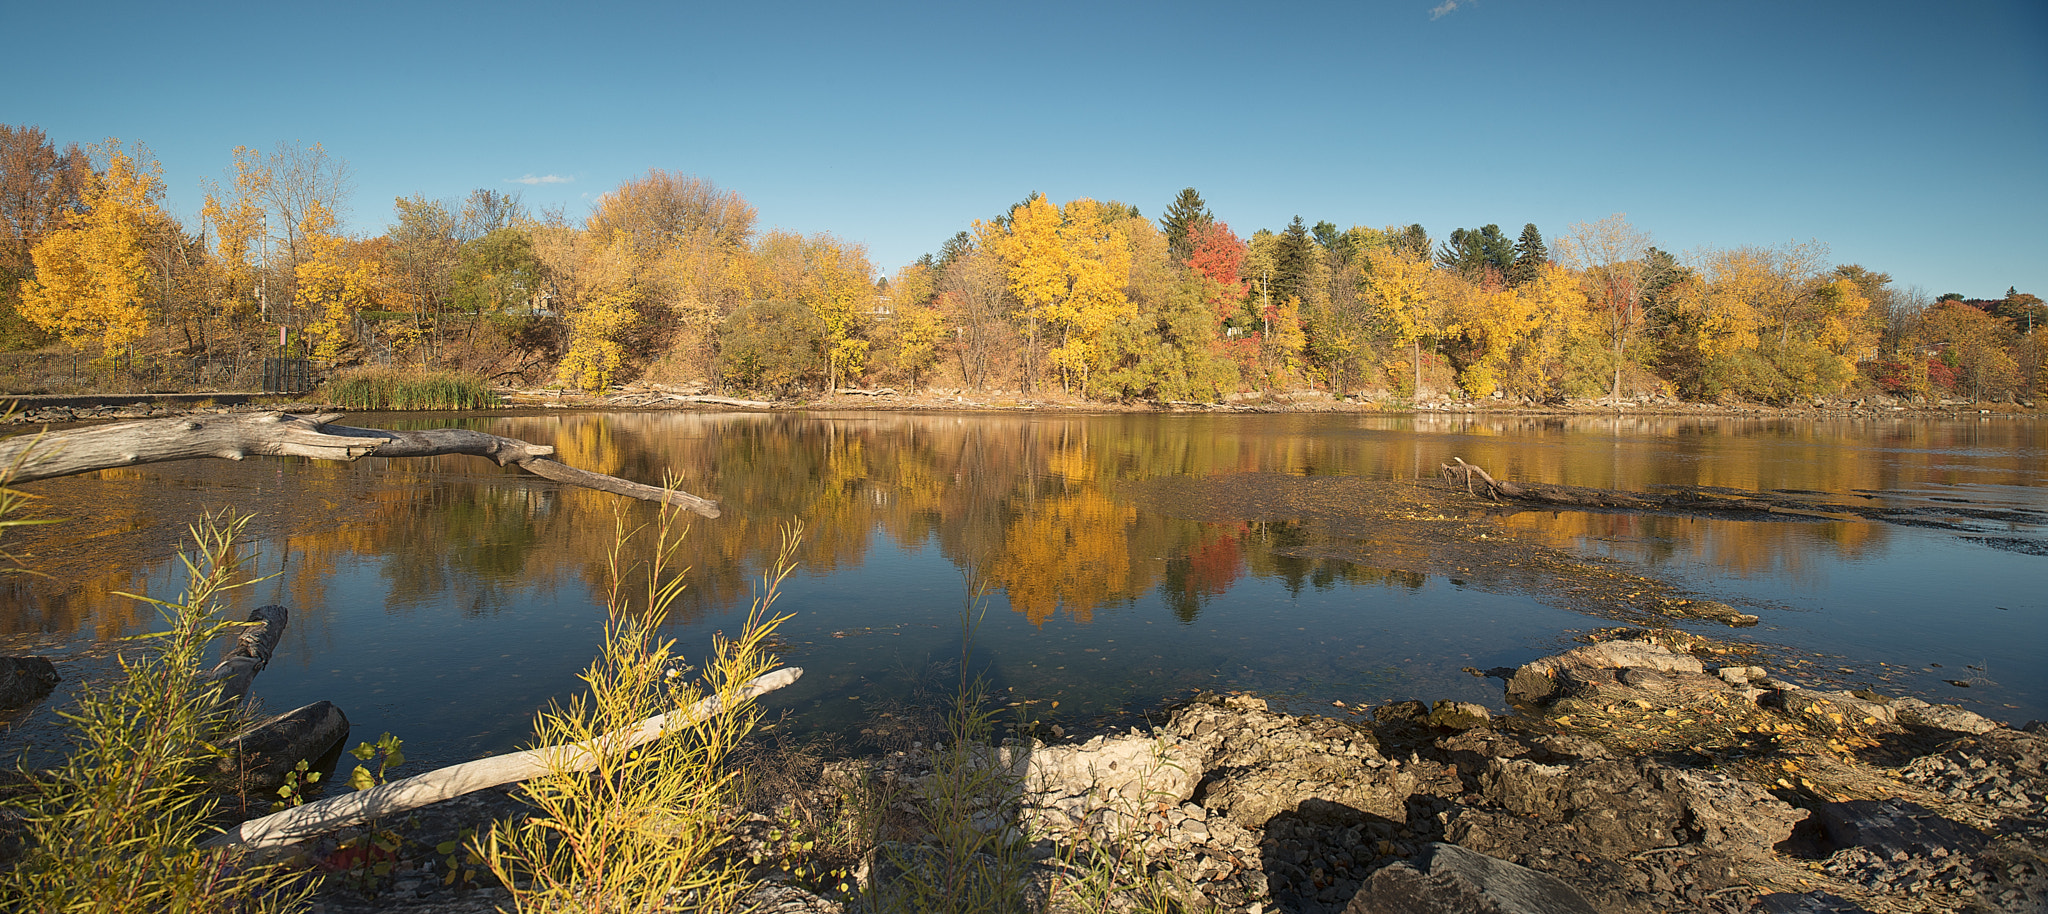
<point x="1807" y="903"/>
<point x="1459" y="715"/>
<point x="25" y="679"/>
<point x="1542" y="679"/>
<point x="1448" y="879"/>
<point x="1894" y="828"/>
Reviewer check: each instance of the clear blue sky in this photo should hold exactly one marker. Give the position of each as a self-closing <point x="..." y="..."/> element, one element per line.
<point x="1910" y="137"/>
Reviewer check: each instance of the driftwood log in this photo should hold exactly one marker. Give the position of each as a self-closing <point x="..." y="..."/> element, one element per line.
<point x="277" y="434"/>
<point x="1780" y="504"/>
<point x="719" y="401"/>
<point x="1689" y="500"/>
<point x="301" y="822"/>
<point x="249" y="655"/>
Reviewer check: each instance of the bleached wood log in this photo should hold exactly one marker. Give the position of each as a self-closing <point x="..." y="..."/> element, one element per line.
<point x="720" y="401"/>
<point x="277" y="434"/>
<point x="299" y="823"/>
<point x="251" y="653"/>
<point x="858" y="392"/>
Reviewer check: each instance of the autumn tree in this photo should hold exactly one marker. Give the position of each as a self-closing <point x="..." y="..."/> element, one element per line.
<point x="39" y="188"/>
<point x="1395" y="282"/>
<point x="485" y="211"/>
<point x="1973" y="350"/>
<point x="685" y="244"/>
<point x="93" y="275"/>
<point x="974" y="299"/>
<point x="1610" y="254"/>
<point x="1067" y="267"/>
<point x="235" y="214"/>
<point x="299" y="179"/>
<point x="917" y="328"/>
<point x="334" y="284"/>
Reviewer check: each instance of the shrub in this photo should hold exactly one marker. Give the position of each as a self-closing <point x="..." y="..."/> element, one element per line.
<point x="117" y="826"/>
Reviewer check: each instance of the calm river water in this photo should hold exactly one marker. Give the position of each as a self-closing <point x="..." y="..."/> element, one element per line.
<point x="445" y="599"/>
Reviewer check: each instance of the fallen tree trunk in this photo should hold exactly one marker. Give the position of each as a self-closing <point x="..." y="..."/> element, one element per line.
<point x="720" y="401"/>
<point x="277" y="434"/>
<point x="299" y="823"/>
<point x="251" y="653"/>
<point x="1783" y="505"/>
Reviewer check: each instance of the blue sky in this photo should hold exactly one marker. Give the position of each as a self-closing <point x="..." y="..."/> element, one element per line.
<point x="1910" y="137"/>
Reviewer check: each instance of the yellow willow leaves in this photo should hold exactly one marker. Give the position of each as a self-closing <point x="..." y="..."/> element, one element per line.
<point x="333" y="285"/>
<point x="1069" y="268"/>
<point x="92" y="275"/>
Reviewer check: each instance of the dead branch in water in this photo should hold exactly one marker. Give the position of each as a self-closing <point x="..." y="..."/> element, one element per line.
<point x="278" y="434"/>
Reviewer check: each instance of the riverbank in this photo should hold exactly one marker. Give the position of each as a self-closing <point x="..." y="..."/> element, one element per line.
<point x="1646" y="771"/>
<point x="36" y="410"/>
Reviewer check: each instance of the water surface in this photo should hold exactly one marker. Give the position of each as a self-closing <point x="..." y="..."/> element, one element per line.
<point x="445" y="599"/>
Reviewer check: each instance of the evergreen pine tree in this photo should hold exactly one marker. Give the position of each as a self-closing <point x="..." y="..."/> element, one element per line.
<point x="1292" y="262"/>
<point x="1530" y="256"/>
<point x="1187" y="213"/>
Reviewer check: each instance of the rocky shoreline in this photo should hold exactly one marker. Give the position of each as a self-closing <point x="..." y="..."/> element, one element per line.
<point x="1647" y="771"/>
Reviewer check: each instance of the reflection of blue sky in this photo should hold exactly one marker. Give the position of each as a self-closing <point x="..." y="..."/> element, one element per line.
<point x="1888" y="611"/>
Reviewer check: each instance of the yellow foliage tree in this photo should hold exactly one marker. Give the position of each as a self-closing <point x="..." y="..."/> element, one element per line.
<point x="608" y="304"/>
<point x="1395" y="284"/>
<point x="333" y="286"/>
<point x="237" y="223"/>
<point x="839" y="287"/>
<point x="93" y="274"/>
<point x="1069" y="268"/>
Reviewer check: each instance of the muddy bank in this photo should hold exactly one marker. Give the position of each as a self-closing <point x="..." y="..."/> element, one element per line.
<point x="1648" y="771"/>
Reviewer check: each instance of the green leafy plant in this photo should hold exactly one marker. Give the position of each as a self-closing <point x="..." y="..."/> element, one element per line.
<point x="387" y="752"/>
<point x="299" y="781"/>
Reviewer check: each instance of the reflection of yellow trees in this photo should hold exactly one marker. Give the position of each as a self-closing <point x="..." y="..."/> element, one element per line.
<point x="1069" y="551"/>
<point x="1032" y="500"/>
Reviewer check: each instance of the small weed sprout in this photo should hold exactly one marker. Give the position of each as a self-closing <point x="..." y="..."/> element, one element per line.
<point x="643" y="829"/>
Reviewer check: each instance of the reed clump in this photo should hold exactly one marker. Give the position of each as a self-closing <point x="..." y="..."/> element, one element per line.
<point x="378" y="389"/>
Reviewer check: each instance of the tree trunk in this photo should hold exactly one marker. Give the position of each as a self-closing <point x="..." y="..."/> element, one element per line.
<point x="251" y="653"/>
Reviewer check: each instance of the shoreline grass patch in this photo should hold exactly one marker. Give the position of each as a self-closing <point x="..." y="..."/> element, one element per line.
<point x="381" y="389"/>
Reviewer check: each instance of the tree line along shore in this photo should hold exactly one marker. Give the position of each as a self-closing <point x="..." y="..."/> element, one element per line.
<point x="669" y="281"/>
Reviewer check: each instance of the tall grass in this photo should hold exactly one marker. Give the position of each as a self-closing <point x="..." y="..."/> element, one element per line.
<point x="374" y="389"/>
<point x="117" y="826"/>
